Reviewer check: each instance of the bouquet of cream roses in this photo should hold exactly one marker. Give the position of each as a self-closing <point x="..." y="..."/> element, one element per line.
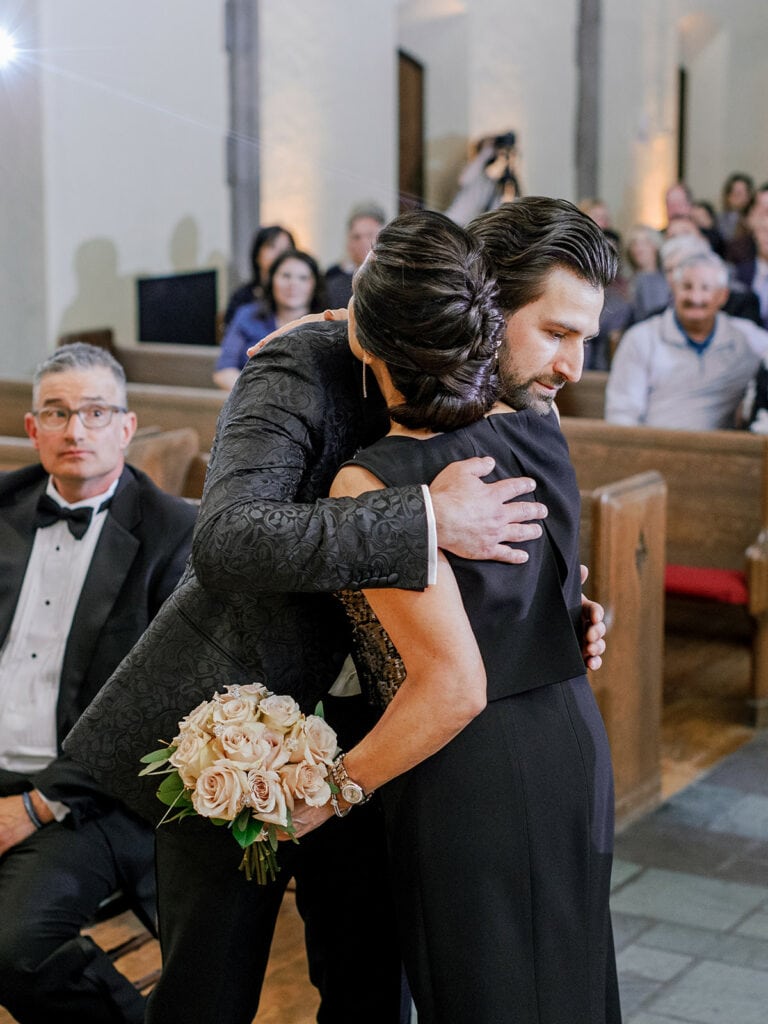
<point x="241" y="759"/>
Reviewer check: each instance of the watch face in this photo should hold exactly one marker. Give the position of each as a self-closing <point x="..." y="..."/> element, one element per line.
<point x="352" y="793"/>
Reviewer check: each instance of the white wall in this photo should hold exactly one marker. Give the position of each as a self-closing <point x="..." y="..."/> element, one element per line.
<point x="723" y="46"/>
<point x="522" y="59"/>
<point x="639" y="115"/>
<point x="135" y="115"/>
<point x="491" y="67"/>
<point x="328" y="82"/>
<point x="435" y="33"/>
<point x="22" y="203"/>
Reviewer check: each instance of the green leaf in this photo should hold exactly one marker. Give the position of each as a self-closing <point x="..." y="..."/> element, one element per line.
<point x="170" y="789"/>
<point x="319" y="709"/>
<point x="157" y="755"/>
<point x="247" y="832"/>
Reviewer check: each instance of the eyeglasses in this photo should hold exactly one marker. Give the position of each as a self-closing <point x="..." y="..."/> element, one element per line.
<point x="94" y="417"/>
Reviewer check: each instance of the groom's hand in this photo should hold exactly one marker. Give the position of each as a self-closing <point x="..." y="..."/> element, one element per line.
<point x="478" y="520"/>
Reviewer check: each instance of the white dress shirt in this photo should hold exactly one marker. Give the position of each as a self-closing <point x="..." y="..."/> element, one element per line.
<point x="32" y="656"/>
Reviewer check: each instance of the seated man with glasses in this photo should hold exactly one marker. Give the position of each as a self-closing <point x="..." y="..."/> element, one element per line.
<point x="89" y="550"/>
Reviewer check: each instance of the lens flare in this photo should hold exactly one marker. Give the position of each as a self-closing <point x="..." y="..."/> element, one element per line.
<point x="8" y="50"/>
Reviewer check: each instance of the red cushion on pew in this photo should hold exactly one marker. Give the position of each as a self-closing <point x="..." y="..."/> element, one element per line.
<point x="726" y="585"/>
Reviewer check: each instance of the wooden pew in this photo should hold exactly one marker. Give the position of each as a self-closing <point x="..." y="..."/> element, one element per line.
<point x="717" y="509"/>
<point x="181" y="365"/>
<point x="171" y="407"/>
<point x="155" y="405"/>
<point x="16" y="452"/>
<point x="622" y="542"/>
<point x="587" y="398"/>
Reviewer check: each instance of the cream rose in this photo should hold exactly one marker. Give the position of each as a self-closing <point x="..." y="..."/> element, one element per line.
<point x="198" y="718"/>
<point x="255" y="691"/>
<point x="308" y="782"/>
<point x="244" y="742"/>
<point x="276" y="754"/>
<point x="221" y="791"/>
<point x="321" y="739"/>
<point x="266" y="796"/>
<point x="194" y="753"/>
<point x="230" y="710"/>
<point x="280" y="712"/>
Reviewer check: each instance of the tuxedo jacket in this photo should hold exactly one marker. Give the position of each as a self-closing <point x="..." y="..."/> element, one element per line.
<point x="256" y="603"/>
<point x="137" y="561"/>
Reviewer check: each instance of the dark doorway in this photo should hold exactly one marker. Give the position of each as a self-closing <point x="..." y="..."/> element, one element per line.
<point x="411" y="120"/>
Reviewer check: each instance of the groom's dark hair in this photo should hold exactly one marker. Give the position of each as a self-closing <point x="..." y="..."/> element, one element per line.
<point x="526" y="239"/>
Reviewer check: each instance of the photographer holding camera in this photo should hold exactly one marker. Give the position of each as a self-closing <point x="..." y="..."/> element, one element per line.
<point x="488" y="180"/>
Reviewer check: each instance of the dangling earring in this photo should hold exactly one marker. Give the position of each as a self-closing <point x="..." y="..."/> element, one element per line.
<point x="365" y="379"/>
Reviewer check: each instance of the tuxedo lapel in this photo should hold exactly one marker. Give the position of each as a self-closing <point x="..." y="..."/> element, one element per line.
<point x="17" y="535"/>
<point x="115" y="552"/>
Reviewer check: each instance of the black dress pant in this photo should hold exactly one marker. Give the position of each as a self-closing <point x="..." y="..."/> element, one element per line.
<point x="216" y="927"/>
<point x="50" y="887"/>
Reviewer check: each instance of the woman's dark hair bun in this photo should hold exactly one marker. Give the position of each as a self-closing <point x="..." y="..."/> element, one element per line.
<point x="427" y="305"/>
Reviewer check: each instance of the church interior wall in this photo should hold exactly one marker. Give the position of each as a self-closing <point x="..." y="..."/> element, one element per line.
<point x="114" y="127"/>
<point x="328" y="83"/>
<point x="135" y="118"/>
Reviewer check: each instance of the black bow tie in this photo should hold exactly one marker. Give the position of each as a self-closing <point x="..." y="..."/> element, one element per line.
<point x="78" y="519"/>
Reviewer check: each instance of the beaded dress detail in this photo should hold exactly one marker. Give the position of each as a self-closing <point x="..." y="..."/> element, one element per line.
<point x="380" y="668"/>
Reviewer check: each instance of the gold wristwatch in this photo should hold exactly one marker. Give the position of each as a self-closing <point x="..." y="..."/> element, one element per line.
<point x="352" y="792"/>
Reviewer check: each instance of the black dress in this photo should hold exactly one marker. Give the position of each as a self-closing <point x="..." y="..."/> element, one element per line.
<point x="501" y="842"/>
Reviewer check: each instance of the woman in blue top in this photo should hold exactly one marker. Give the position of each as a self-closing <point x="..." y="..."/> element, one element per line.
<point x="294" y="288"/>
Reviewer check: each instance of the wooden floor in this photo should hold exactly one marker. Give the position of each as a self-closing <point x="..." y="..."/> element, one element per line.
<point x="705" y="685"/>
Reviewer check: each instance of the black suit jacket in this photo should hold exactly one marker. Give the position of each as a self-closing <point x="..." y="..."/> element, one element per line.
<point x="137" y="562"/>
<point x="255" y="604"/>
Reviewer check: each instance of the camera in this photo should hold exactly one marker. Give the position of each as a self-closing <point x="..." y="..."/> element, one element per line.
<point x="506" y="141"/>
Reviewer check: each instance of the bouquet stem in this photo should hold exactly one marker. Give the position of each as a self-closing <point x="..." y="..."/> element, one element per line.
<point x="260" y="862"/>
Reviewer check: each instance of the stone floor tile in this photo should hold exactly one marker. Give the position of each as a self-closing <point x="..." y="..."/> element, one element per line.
<point x="683" y="898"/>
<point x="627" y="928"/>
<point x="623" y="870"/>
<point x="748" y="865"/>
<point x="747" y="817"/>
<point x="702" y="944"/>
<point x="755" y="926"/>
<point x="697" y="806"/>
<point x="634" y="990"/>
<point x="712" y="993"/>
<point x="650" y="1018"/>
<point x="675" y="847"/>
<point x="656" y="964"/>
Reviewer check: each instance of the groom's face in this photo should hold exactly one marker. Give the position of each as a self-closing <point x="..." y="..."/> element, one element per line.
<point x="544" y="344"/>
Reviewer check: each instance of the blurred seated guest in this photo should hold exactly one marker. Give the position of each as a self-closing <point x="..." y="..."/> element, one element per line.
<point x="737" y="195"/>
<point x="678" y="200"/>
<point x="91" y="550"/>
<point x="688" y="367"/>
<point x="616" y="312"/>
<point x="703" y="215"/>
<point x="294" y="288"/>
<point x="753" y="273"/>
<point x="488" y="180"/>
<point x="597" y="210"/>
<point x="641" y="254"/>
<point x="363" y="226"/>
<point x="268" y="244"/>
<point x="684" y="224"/>
<point x="653" y="292"/>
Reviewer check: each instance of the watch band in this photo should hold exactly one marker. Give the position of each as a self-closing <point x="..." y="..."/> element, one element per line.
<point x="341" y="779"/>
